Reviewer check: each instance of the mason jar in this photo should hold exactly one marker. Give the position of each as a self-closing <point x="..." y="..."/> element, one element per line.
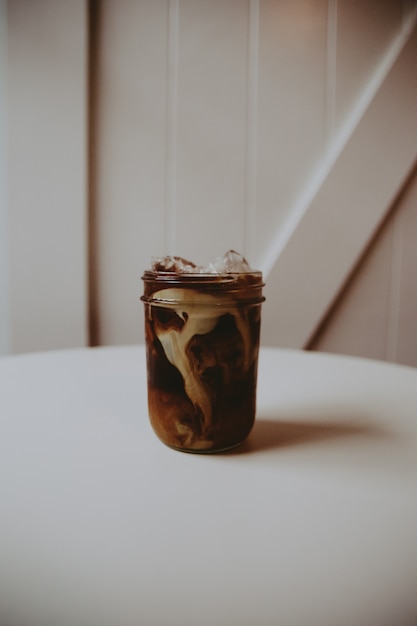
<point x="202" y="343"/>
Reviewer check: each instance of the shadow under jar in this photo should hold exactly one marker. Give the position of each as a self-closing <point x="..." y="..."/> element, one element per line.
<point x="202" y="344"/>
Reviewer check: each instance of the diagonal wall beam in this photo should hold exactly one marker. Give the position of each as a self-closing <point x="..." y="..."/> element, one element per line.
<point x="345" y="202"/>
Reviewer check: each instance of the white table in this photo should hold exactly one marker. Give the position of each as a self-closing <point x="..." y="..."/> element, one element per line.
<point x="313" y="521"/>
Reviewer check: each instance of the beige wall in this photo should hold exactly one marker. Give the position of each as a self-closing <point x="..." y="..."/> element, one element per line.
<point x="45" y="167"/>
<point x="213" y="125"/>
<point x="375" y="315"/>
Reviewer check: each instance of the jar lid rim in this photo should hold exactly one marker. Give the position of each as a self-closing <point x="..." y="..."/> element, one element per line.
<point x="197" y="277"/>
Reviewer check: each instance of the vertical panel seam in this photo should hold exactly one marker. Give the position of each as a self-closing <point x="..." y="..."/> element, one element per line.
<point x="5" y="317"/>
<point x="171" y="128"/>
<point x="93" y="53"/>
<point x="251" y="129"/>
<point x="331" y="73"/>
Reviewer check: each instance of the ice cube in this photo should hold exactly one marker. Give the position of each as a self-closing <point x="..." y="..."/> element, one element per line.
<point x="174" y="264"/>
<point x="232" y="263"/>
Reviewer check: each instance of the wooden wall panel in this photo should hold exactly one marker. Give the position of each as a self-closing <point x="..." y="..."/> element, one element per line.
<point x="358" y="324"/>
<point x="46" y="173"/>
<point x="347" y="202"/>
<point x="211" y="125"/>
<point x="406" y="343"/>
<point x="376" y="314"/>
<point x="129" y="160"/>
<point x="214" y="137"/>
<point x="291" y="111"/>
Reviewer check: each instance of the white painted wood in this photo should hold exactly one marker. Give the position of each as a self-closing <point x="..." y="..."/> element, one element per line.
<point x="331" y="72"/>
<point x="376" y="314"/>
<point x="212" y="127"/>
<point x="291" y="110"/>
<point x="133" y="159"/>
<point x="217" y="125"/>
<point x="260" y="125"/>
<point x="170" y="228"/>
<point x="46" y="172"/>
<point x="343" y="205"/>
<point x="4" y="256"/>
<point x="252" y="121"/>
<point x="359" y="322"/>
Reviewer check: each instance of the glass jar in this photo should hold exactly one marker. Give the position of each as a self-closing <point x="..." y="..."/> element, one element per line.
<point x="202" y="343"/>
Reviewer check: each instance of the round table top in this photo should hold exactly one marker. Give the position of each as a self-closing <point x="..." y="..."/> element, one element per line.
<point x="312" y="521"/>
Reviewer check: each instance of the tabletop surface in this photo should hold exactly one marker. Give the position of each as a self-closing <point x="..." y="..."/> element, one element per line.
<point x="312" y="521"/>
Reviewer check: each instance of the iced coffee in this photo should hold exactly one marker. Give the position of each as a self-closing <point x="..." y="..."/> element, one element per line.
<point x="202" y="338"/>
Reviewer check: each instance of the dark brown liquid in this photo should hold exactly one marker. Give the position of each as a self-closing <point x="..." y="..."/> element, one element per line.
<point x="202" y="385"/>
